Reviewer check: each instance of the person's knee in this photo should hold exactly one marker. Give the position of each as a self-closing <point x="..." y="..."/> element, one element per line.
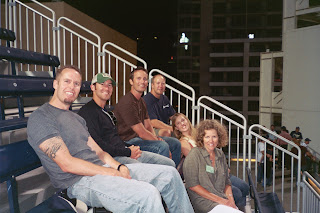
<point x="237" y="194"/>
<point x="163" y="147"/>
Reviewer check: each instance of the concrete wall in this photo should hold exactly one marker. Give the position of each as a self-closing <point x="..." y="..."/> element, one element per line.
<point x="270" y="102"/>
<point x="301" y="88"/>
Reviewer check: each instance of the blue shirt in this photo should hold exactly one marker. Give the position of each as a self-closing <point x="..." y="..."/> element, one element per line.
<point x="159" y="109"/>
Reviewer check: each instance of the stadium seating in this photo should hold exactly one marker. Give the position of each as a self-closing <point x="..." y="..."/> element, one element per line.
<point x="20" y="158"/>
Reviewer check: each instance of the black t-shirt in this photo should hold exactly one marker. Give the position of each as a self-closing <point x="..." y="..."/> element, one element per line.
<point x="102" y="128"/>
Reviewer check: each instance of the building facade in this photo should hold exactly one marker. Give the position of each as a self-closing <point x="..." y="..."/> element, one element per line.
<point x="217" y="57"/>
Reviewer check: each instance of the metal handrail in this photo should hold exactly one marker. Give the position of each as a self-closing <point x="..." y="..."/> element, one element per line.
<point x="108" y="53"/>
<point x="285" y="151"/>
<point x="192" y="98"/>
<point x="13" y="17"/>
<point x="242" y="126"/>
<point x="316" y="197"/>
<point x="104" y="47"/>
<point x="97" y="44"/>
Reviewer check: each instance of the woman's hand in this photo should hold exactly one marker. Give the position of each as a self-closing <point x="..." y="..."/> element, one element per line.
<point x="228" y="202"/>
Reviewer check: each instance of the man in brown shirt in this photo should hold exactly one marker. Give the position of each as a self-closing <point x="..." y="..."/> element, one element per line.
<point x="134" y="125"/>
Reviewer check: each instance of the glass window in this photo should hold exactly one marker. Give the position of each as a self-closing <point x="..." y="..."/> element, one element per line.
<point x="219" y="7"/>
<point x="195" y="37"/>
<point x="253" y="119"/>
<point x="236" y="105"/>
<point x="253" y="91"/>
<point x="254" y="61"/>
<point x="278" y="69"/>
<point x="254" y="76"/>
<point x="219" y="21"/>
<point x="253" y="105"/>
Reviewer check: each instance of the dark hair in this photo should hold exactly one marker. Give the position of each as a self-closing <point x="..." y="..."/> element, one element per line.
<point x="137" y="69"/>
<point x="209" y="125"/>
<point x="59" y="71"/>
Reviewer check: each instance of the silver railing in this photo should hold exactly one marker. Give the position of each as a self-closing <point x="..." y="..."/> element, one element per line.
<point x="209" y="108"/>
<point x="311" y="197"/>
<point x="294" y="159"/>
<point x="181" y="95"/>
<point x="315" y="154"/>
<point x="76" y="46"/>
<point x="119" y="67"/>
<point x="34" y="30"/>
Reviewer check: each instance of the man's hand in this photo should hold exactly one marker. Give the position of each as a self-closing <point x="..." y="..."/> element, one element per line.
<point x="135" y="152"/>
<point x="160" y="139"/>
<point x="124" y="172"/>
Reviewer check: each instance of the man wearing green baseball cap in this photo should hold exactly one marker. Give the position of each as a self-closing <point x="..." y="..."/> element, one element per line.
<point x="102" y="126"/>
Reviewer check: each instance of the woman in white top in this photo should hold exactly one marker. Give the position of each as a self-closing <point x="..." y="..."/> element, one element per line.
<point x="184" y="131"/>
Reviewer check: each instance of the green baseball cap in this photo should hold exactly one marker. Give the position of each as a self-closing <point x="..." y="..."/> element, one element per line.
<point x="101" y="78"/>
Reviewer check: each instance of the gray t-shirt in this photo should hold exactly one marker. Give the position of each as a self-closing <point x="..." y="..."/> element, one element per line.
<point x="48" y="122"/>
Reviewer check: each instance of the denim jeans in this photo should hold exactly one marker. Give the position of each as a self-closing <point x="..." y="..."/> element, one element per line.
<point x="146" y="157"/>
<point x="260" y="172"/>
<point x="160" y="147"/>
<point x="240" y="189"/>
<point x="139" y="194"/>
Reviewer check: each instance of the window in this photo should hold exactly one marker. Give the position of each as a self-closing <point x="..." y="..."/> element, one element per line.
<point x="196" y="23"/>
<point x="195" y="78"/>
<point x="253" y="105"/>
<point x="238" y="21"/>
<point x="254" y="61"/>
<point x="278" y="69"/>
<point x="219" y="7"/>
<point x="227" y="62"/>
<point x="253" y="119"/>
<point x="253" y="91"/>
<point x="274" y="20"/>
<point x="254" y="76"/>
<point x="226" y="91"/>
<point x="236" y="105"/>
<point x="219" y="21"/>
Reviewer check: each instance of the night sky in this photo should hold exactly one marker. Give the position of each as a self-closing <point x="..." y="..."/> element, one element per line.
<point x="140" y="18"/>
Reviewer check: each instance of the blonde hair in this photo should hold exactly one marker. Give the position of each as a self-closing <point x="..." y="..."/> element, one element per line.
<point x="209" y="125"/>
<point x="178" y="134"/>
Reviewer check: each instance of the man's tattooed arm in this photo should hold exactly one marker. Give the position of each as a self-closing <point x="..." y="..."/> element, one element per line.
<point x="52" y="146"/>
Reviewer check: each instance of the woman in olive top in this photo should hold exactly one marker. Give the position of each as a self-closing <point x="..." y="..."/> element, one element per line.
<point x="206" y="172"/>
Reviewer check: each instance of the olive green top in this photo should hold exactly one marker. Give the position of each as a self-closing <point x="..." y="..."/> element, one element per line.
<point x="198" y="170"/>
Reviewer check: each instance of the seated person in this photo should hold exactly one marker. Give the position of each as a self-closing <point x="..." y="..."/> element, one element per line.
<point x="75" y="162"/>
<point x="159" y="107"/>
<point x="185" y="132"/>
<point x="102" y="126"/>
<point x="134" y="126"/>
<point x="206" y="171"/>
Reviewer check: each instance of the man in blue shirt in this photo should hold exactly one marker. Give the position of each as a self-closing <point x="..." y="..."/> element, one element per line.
<point x="159" y="108"/>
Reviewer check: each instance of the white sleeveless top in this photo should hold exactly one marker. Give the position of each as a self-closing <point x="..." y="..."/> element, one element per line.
<point x="190" y="141"/>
